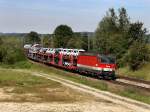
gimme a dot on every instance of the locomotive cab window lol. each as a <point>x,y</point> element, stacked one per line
<point>107,59</point>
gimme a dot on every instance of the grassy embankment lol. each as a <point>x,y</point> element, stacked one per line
<point>16,86</point>
<point>133,93</point>
<point>143,73</point>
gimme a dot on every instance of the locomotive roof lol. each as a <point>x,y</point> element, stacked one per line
<point>89,54</point>
<point>95,54</point>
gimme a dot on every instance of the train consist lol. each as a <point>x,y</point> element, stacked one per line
<point>76,60</point>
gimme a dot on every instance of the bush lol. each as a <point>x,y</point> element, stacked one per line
<point>11,51</point>
<point>13,55</point>
<point>138,54</point>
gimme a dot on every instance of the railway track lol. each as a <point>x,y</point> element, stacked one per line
<point>123,81</point>
<point>134,82</point>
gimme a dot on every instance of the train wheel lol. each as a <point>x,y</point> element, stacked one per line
<point>100,77</point>
<point>113,78</point>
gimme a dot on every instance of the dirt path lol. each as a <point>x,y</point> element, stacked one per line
<point>106,102</point>
<point>55,107</point>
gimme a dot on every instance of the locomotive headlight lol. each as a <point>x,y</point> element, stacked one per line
<point>107,69</point>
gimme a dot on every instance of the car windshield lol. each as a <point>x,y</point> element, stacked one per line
<point>107,59</point>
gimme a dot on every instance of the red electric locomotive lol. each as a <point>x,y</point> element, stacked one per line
<point>101,66</point>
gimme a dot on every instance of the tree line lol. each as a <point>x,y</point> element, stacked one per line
<point>115,35</point>
<point>63,37</point>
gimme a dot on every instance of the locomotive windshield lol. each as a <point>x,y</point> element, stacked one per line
<point>107,59</point>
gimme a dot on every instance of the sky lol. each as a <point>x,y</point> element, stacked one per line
<point>43,16</point>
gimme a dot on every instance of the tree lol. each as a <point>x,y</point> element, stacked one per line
<point>1,41</point>
<point>32,38</point>
<point>111,34</point>
<point>138,52</point>
<point>62,35</point>
<point>47,41</point>
<point>1,52</point>
<point>124,21</point>
<point>147,38</point>
<point>84,40</point>
<point>107,28</point>
<point>75,43</point>
<point>136,32</point>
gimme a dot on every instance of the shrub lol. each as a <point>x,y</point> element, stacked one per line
<point>13,55</point>
<point>11,51</point>
<point>138,54</point>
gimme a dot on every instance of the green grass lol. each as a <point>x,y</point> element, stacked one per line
<point>21,79</point>
<point>24,87</point>
<point>22,65</point>
<point>135,94</point>
<point>143,73</point>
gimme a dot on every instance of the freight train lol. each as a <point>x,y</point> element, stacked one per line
<point>77,60</point>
